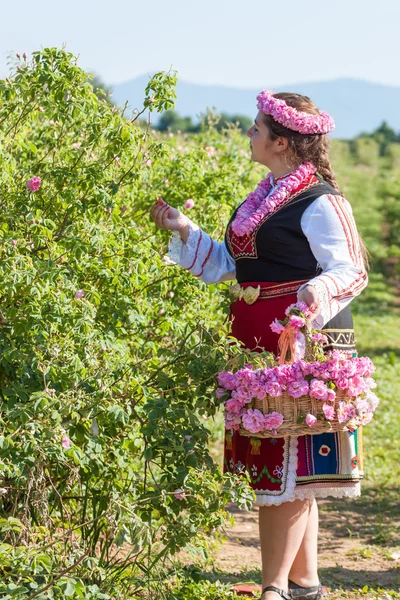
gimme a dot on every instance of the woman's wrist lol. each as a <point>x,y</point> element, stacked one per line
<point>184,232</point>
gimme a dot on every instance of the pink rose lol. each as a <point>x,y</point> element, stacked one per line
<point>296,322</point>
<point>345,412</point>
<point>189,203</point>
<point>342,383</point>
<point>320,338</point>
<point>322,371</point>
<point>367,418</point>
<point>304,308</point>
<point>349,368</point>
<point>273,388</point>
<point>310,420</point>
<point>318,389</point>
<point>273,421</point>
<point>362,406</point>
<point>65,442</point>
<point>373,400</point>
<point>148,163</point>
<point>227,380</point>
<point>329,411</point>
<point>76,145</point>
<point>365,366</point>
<point>234,406</point>
<point>356,386</point>
<point>289,309</point>
<point>79,294</point>
<point>13,243</point>
<point>369,383</point>
<point>258,388</point>
<point>242,394</point>
<point>277,327</point>
<point>179,494</point>
<point>253,420</point>
<point>33,184</point>
<point>232,421</point>
<point>298,388</point>
<point>330,395</point>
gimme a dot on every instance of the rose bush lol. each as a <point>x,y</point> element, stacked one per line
<point>108,353</point>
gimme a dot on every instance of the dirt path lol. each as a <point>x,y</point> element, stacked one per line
<point>359,545</point>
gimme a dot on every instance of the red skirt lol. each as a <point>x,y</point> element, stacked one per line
<point>284,469</point>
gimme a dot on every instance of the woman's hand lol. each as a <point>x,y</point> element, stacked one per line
<point>310,296</point>
<point>166,217</point>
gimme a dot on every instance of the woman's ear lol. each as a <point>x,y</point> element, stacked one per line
<point>281,144</point>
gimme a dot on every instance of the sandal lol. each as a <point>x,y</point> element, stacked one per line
<point>297,592</point>
<point>282,593</point>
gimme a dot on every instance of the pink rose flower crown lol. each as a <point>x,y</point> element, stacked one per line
<point>339,388</point>
<point>291,118</point>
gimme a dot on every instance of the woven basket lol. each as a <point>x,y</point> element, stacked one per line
<point>292,408</point>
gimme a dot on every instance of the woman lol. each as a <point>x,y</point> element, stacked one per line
<point>296,238</point>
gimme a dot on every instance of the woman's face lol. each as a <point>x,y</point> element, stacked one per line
<point>264,150</point>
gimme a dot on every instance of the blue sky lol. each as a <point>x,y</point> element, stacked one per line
<point>237,42</point>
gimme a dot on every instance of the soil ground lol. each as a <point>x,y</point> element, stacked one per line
<point>359,546</point>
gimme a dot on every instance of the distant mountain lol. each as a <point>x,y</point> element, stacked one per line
<point>356,105</point>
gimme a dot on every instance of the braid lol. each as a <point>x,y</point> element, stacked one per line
<point>323,164</point>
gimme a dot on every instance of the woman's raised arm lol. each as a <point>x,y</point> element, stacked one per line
<point>192,248</point>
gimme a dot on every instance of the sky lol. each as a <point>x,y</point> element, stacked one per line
<point>240,43</point>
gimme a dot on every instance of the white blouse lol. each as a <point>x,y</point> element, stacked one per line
<point>329,226</point>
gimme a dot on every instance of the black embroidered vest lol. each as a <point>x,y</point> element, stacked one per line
<point>277,250</point>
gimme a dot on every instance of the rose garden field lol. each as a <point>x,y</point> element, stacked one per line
<point>110,430</point>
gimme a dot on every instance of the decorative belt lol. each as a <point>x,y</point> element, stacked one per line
<point>250,294</point>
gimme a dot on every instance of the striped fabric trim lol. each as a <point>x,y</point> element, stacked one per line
<point>206,258</point>
<point>350,231</point>
<point>347,226</point>
<point>197,251</point>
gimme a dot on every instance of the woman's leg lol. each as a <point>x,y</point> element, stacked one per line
<point>282,530</point>
<point>304,570</point>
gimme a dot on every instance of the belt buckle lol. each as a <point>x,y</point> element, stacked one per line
<point>249,294</point>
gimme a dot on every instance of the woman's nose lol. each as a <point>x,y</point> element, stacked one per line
<point>249,132</point>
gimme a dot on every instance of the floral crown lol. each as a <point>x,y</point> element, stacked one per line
<point>292,118</point>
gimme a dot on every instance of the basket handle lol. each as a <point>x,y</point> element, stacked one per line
<point>286,344</point>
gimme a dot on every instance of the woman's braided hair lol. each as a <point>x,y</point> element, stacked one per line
<point>312,148</point>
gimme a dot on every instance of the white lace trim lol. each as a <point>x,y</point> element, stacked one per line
<point>270,498</point>
<point>310,494</point>
<point>174,247</point>
<point>345,492</point>
<point>182,252</point>
<point>324,304</point>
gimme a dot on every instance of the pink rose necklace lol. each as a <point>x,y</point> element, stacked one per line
<point>258,204</point>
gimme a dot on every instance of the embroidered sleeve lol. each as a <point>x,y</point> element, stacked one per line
<point>202,256</point>
<point>329,226</point>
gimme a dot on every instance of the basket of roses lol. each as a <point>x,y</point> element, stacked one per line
<point>305,391</point>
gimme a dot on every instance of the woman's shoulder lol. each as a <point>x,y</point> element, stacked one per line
<point>327,207</point>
